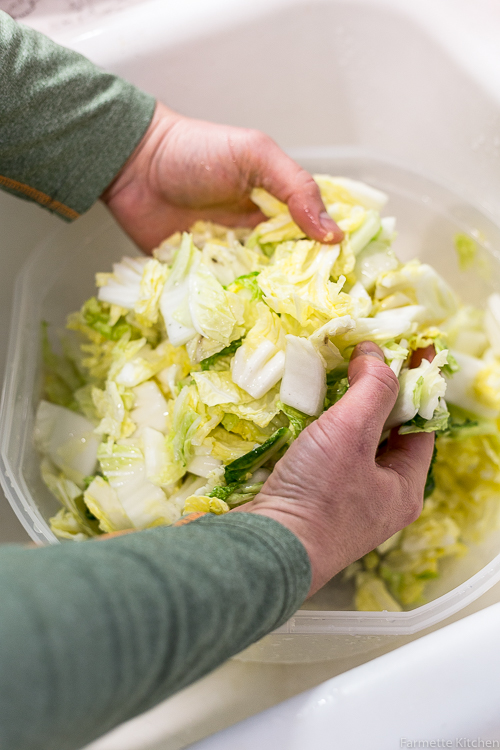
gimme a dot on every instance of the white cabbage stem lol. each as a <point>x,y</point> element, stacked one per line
<point>304,381</point>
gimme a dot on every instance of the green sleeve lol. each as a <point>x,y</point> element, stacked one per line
<point>66,127</point>
<point>93,633</point>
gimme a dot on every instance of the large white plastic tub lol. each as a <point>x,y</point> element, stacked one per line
<point>59,276</point>
<point>415,84</point>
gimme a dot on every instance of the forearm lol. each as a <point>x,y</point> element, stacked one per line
<point>92,634</point>
<point>66,128</point>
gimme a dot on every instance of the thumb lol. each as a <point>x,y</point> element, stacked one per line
<point>373,389</point>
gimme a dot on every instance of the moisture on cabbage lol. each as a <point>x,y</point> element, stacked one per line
<point>188,374</point>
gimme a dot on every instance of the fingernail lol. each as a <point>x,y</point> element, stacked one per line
<point>326,222</point>
<point>369,349</point>
<point>329,226</point>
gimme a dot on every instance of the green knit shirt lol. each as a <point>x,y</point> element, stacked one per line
<point>93,633</point>
<point>66,127</point>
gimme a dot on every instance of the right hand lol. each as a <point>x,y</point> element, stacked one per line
<point>332,490</point>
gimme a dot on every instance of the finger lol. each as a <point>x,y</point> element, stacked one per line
<point>373,389</point>
<point>419,354</point>
<point>410,457</point>
<point>283,178</point>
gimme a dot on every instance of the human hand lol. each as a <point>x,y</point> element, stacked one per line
<point>332,490</point>
<point>186,169</point>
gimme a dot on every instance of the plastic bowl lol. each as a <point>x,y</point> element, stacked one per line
<point>59,276</point>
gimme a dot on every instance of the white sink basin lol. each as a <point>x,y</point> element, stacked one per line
<point>417,82</point>
<point>418,695</point>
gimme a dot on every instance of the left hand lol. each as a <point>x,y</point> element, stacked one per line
<point>185,169</point>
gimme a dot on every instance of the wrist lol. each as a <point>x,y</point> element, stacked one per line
<point>137,179</point>
<point>323,567</point>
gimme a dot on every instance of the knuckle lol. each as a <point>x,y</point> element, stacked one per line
<point>304,187</point>
<point>342,436</point>
<point>411,501</point>
<point>399,504</point>
<point>306,182</point>
<point>259,140</point>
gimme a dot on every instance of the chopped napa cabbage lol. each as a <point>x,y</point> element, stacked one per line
<point>145,504</point>
<point>346,190</point>
<point>150,408</point>
<point>219,360</point>
<point>161,468</point>
<point>297,420</point>
<point>466,249</point>
<point>248,289</point>
<point>492,322</point>
<point>487,385</point>
<point>189,426</point>
<point>461,507</point>
<point>192,485</point>
<point>102,501</point>
<point>297,283</point>
<point>228,262</point>
<point>321,341</point>
<point>336,385</point>
<point>66,525</point>
<point>123,286</point>
<point>362,302</point>
<point>62,377</point>
<point>421,283</point>
<point>465,387</point>
<point>259,363</point>
<point>420,391</point>
<point>153,280</point>
<point>372,594</point>
<point>376,258</point>
<point>174,304</point>
<point>338,329</point>
<point>280,226</point>
<point>396,354</point>
<point>215,313</point>
<point>135,361</point>
<point>111,409</point>
<point>371,226</point>
<point>77,518</point>
<point>68,439</point>
<point>268,204</point>
<point>244,467</point>
<point>207,231</point>
<point>177,369</point>
<point>184,381</point>
<point>260,411</point>
<point>303,385</point>
<point>217,388</point>
<point>227,446</point>
<point>247,429</point>
<point>85,402</point>
<point>204,504</point>
<point>385,326</point>
<point>437,423</point>
<point>465,331</point>
<point>202,465</point>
